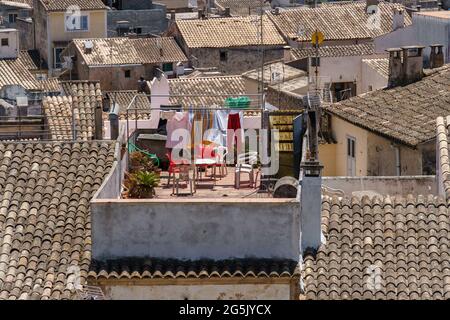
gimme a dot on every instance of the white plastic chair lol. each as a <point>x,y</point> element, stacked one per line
<point>221,153</point>
<point>245,162</point>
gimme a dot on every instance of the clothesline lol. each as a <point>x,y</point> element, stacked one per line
<point>178,108</point>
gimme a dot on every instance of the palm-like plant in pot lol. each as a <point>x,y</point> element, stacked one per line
<point>141,185</point>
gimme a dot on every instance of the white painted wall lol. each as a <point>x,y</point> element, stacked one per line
<point>200,292</point>
<point>401,37</point>
<point>11,51</point>
<point>345,69</point>
<point>432,30</point>
<point>370,77</point>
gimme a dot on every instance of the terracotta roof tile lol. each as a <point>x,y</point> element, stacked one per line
<point>380,249</point>
<point>79,103</point>
<point>44,215</point>
<point>380,65</point>
<point>141,268</point>
<point>228,32</point>
<point>222,85</point>
<point>125,97</point>
<point>442,137</point>
<point>62,5</point>
<point>242,7</point>
<point>337,21</point>
<point>406,114</point>
<point>334,51</point>
<point>107,51</point>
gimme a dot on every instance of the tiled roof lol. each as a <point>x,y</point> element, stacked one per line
<point>443,141</point>
<point>334,51</point>
<point>390,248</point>
<point>45,227</point>
<point>62,5</point>
<point>30,59</point>
<point>242,7</point>
<point>79,103</point>
<point>115,51</point>
<point>15,72</point>
<point>222,86</point>
<point>380,65</point>
<point>275,73</point>
<point>406,114</point>
<point>141,268</point>
<point>228,32</point>
<point>26,4</point>
<point>124,98</point>
<point>336,21</point>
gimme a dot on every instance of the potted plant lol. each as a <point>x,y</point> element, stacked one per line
<point>141,162</point>
<point>141,185</point>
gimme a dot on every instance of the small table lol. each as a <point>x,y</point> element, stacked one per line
<point>205,162</point>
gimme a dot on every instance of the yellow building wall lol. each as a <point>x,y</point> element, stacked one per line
<point>341,130</point>
<point>327,157</point>
<point>97,26</point>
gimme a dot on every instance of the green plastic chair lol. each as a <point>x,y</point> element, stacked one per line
<point>133,148</point>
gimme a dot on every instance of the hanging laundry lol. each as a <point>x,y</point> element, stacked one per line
<point>235,131</point>
<point>220,124</point>
<point>179,121</point>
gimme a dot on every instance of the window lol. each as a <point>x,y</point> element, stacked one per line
<point>57,57</point>
<point>127,73</point>
<point>137,30</point>
<point>351,156</point>
<point>5,42</point>
<point>167,67</point>
<point>12,17</point>
<point>223,56</point>
<point>77,23</point>
<point>370,88</point>
<point>315,61</point>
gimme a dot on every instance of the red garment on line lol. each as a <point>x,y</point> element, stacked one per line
<point>234,121</point>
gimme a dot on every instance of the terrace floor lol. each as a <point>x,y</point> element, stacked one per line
<point>206,187</point>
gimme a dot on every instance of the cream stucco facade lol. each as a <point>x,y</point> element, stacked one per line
<point>201,289</point>
<point>52,34</point>
<point>374,154</point>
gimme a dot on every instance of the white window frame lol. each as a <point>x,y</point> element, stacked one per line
<point>78,30</point>
<point>350,151</point>
<point>12,14</point>
<point>54,57</point>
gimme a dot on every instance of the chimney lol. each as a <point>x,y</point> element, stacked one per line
<point>395,67</point>
<point>200,14</point>
<point>418,7</point>
<point>405,65</point>
<point>436,56</point>
<point>227,12</point>
<point>172,15</point>
<point>398,19</point>
<point>287,54</point>
<point>276,11</point>
<point>439,5</point>
<point>412,70</point>
<point>310,188</point>
<point>114,121</point>
<point>369,4</point>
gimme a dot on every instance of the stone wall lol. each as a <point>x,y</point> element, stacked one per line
<point>150,21</point>
<point>26,34</point>
<point>40,23</point>
<point>238,60</point>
